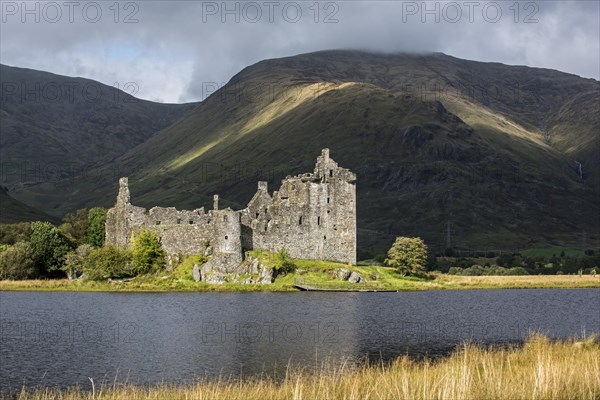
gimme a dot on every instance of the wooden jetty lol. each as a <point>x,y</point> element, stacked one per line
<point>307,288</point>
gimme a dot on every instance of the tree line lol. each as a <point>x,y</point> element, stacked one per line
<point>410,256</point>
<point>74,249</point>
<point>518,264</point>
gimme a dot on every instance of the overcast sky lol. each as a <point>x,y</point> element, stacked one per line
<point>170,48</point>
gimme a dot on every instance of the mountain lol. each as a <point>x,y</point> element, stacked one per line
<point>462,153</point>
<point>56,126</point>
<point>12,211</point>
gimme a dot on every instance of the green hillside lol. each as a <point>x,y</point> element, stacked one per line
<point>12,211</point>
<point>55,126</point>
<point>486,149</point>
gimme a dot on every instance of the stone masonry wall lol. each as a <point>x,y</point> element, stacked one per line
<point>311,216</point>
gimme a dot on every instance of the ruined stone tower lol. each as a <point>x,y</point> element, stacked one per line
<point>311,216</point>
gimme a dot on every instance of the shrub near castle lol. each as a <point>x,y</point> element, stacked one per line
<point>107,262</point>
<point>147,254</point>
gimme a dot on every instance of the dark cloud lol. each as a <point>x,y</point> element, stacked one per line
<point>173,49</point>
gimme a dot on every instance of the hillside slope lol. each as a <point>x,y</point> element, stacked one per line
<point>459,152</point>
<point>12,211</point>
<point>55,126</point>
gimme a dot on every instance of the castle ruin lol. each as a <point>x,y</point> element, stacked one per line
<point>311,216</point>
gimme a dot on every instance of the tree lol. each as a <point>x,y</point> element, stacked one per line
<point>75,224</point>
<point>431,261</point>
<point>18,262</point>
<point>75,260</point>
<point>449,252</point>
<point>569,265</point>
<point>13,233</point>
<point>473,270</point>
<point>408,256</point>
<point>107,262</point>
<point>50,246</point>
<point>148,255</point>
<point>96,220</point>
<point>455,271</point>
<point>505,260</point>
<point>4,247</point>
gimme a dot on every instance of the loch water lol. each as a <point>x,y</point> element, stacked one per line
<point>65,338</point>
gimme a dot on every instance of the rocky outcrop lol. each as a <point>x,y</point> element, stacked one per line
<point>344,274</point>
<point>261,273</point>
<point>220,269</point>
<point>196,273</point>
<point>212,276</point>
<point>355,277</point>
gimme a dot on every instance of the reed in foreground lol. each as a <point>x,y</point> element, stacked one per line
<point>540,369</point>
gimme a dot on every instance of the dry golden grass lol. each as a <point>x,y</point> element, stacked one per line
<point>541,369</point>
<point>522,281</point>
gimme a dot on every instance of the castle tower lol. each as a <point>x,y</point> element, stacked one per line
<point>334,209</point>
<point>227,239</point>
<point>311,215</point>
<point>123,197</point>
<point>118,225</point>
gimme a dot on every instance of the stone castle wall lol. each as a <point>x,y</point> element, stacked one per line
<point>312,216</point>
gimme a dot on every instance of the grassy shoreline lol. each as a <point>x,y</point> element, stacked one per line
<point>285,284</point>
<point>540,369</point>
<point>317,273</point>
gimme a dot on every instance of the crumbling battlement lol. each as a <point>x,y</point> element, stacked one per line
<point>311,216</point>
